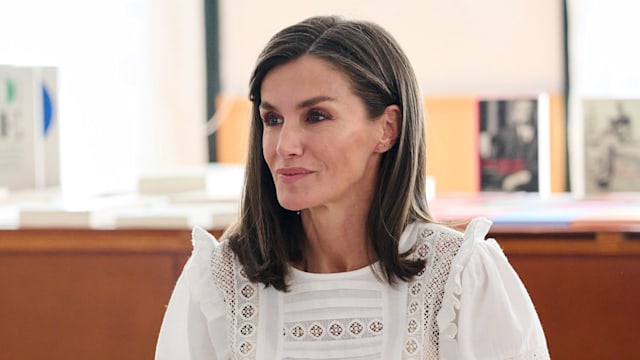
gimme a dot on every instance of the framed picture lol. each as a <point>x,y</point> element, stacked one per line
<point>611,151</point>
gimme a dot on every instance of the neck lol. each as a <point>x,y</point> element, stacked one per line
<point>336,240</point>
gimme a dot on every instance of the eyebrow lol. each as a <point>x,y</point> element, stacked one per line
<point>304,104</point>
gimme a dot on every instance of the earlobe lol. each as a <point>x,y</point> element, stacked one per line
<point>390,127</point>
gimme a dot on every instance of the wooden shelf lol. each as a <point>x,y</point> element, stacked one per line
<point>101,294</point>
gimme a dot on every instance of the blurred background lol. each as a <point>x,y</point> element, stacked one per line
<point>151,86</point>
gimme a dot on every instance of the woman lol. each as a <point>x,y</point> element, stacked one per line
<point>335,254</point>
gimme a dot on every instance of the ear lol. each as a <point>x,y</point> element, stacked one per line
<point>390,123</point>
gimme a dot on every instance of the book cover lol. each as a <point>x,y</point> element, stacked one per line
<point>50,126</point>
<point>79,213</point>
<point>452,140</point>
<point>223,181</point>
<point>558,143</point>
<point>514,145</point>
<point>611,146</point>
<point>233,120</point>
<point>184,216</point>
<point>21,145</point>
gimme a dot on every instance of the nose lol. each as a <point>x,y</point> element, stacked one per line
<point>290,142</point>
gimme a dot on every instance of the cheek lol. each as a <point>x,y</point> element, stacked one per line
<point>268,148</point>
<point>348,153</point>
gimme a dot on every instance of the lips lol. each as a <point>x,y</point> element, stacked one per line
<point>291,175</point>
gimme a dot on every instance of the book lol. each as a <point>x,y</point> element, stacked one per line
<point>608,151</point>
<point>233,119</point>
<point>81,213</point>
<point>50,126</point>
<point>452,138</point>
<point>218,180</point>
<point>558,143</point>
<point>514,144</point>
<point>21,145</point>
<point>208,216</point>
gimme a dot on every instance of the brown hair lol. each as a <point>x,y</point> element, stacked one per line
<point>267,237</point>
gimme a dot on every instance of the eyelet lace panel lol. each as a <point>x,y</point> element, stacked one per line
<point>426,290</point>
<point>337,329</point>
<point>241,305</point>
<point>333,316</point>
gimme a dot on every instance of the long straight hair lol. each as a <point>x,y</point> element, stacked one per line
<point>267,237</point>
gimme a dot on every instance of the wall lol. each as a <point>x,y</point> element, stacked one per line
<point>132,71</point>
<point>131,77</point>
<point>458,46</point>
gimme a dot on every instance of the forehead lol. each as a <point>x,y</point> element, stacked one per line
<point>307,73</point>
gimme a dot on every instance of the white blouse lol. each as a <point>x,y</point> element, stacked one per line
<point>468,303</point>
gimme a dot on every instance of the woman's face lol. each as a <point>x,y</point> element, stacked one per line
<point>320,145</point>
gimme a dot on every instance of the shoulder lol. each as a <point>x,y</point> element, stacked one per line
<point>424,239</point>
<point>486,311</point>
<point>202,240</point>
<point>215,259</point>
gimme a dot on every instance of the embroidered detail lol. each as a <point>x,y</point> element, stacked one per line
<point>241,302</point>
<point>248,291</point>
<point>426,233</point>
<point>375,326</point>
<point>424,298</point>
<point>415,289</point>
<point>316,330</point>
<point>423,251</point>
<point>413,307</point>
<point>246,329</point>
<point>355,328</point>
<point>248,311</point>
<point>411,346</point>
<point>297,332</point>
<point>246,347</point>
<point>335,329</point>
<point>412,326</point>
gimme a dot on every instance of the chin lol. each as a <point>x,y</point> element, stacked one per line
<point>291,206</point>
<point>292,203</point>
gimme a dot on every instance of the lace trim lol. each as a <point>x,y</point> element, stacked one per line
<point>342,329</point>
<point>241,306</point>
<point>425,293</point>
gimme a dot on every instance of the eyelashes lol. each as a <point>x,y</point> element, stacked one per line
<point>271,118</point>
<point>317,115</point>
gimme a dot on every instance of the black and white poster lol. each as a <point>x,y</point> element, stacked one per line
<point>611,145</point>
<point>509,144</point>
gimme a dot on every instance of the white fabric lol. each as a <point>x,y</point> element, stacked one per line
<point>468,303</point>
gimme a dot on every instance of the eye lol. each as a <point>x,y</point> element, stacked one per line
<point>317,116</point>
<point>271,119</point>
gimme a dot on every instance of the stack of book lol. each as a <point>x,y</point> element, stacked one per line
<point>29,127</point>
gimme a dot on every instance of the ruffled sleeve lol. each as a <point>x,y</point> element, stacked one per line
<point>486,311</point>
<point>194,322</point>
